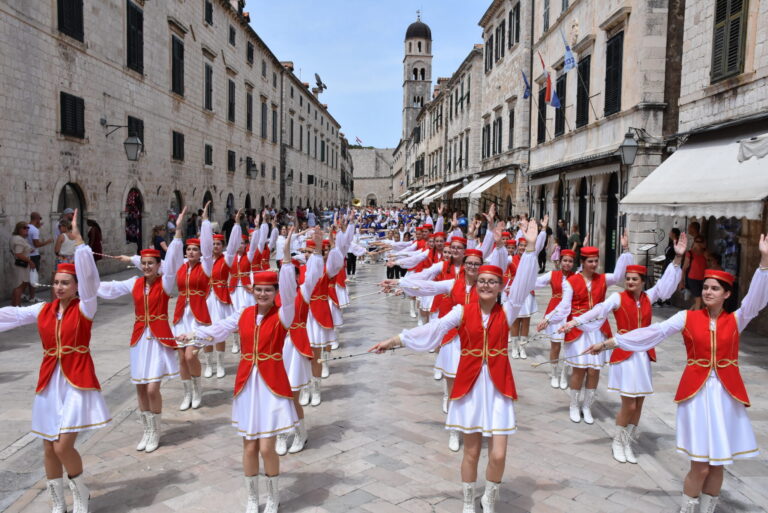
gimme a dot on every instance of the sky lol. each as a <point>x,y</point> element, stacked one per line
<point>356,46</point>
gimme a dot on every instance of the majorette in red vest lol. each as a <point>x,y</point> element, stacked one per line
<point>629,316</point>
<point>151,310</point>
<point>584,299</point>
<point>193,288</point>
<point>220,276</point>
<point>242,270</point>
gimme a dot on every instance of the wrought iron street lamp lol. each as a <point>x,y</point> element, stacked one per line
<point>628,149</point>
<point>132,147</point>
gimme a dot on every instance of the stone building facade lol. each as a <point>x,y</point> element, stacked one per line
<point>205,94</point>
<point>373,176</point>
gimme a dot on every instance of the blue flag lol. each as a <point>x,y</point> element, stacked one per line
<point>569,62</point>
<point>527,92</point>
<point>555,102</point>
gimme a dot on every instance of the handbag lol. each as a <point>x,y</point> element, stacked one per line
<point>21,263</point>
<point>556,254</point>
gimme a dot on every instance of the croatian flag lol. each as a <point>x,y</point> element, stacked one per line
<point>569,62</point>
<point>527,92</point>
<point>548,93</point>
<point>358,141</point>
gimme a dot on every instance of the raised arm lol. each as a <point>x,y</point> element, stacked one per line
<point>235,237</point>
<point>667,284</point>
<point>287,280</point>
<point>757,297</point>
<point>623,261</point>
<point>116,289</point>
<point>16,316</point>
<point>206,246</point>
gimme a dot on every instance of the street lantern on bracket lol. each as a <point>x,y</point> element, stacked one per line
<point>628,149</point>
<point>132,145</point>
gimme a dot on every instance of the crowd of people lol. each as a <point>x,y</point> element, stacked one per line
<point>470,285</point>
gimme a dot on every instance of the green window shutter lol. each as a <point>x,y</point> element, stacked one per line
<point>728,38</point>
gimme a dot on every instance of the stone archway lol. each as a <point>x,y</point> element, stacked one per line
<point>134,214</point>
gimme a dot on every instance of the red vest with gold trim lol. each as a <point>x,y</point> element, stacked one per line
<point>510,272</point>
<point>266,253</point>
<point>711,350</point>
<point>459,296</point>
<point>478,345</point>
<point>219,279</point>
<point>584,299</point>
<point>341,277</point>
<point>299,335</point>
<point>151,312</point>
<point>629,317</point>
<point>263,345</point>
<point>193,286</point>
<point>242,274</point>
<point>447,273</point>
<point>556,282</point>
<point>318,303</point>
<point>67,342</point>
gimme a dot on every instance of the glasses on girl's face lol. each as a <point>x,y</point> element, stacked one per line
<point>472,264</point>
<point>489,283</point>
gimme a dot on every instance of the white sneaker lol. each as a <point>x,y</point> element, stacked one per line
<point>454,441</point>
<point>281,445</point>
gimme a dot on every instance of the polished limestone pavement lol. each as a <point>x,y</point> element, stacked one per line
<point>377,442</point>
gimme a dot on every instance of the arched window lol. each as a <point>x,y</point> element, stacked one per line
<point>134,207</point>
<point>176,202</point>
<point>72,197</point>
<point>418,45</point>
<point>415,73</point>
<point>230,205</point>
<point>248,202</point>
<point>423,74</point>
<point>262,203</point>
<point>206,198</point>
<point>410,47</point>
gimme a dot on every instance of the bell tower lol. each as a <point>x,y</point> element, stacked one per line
<point>417,72</point>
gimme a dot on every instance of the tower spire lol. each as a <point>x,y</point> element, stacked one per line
<point>418,14</point>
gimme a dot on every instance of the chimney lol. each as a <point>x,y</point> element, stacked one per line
<point>315,91</point>
<point>287,65</point>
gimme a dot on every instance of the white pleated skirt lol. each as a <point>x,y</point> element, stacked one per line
<point>632,377</point>
<point>483,410</point>
<point>216,309</point>
<point>573,350</point>
<point>187,324</point>
<point>713,427</point>
<point>61,408</point>
<point>151,361</point>
<point>551,332</point>
<point>258,413</point>
<point>319,336</point>
<point>338,320</point>
<point>447,360</point>
<point>241,298</point>
<point>343,294</point>
<point>297,366</point>
<point>529,307</point>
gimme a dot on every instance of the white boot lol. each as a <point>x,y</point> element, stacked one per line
<point>420,322</point>
<point>304,394</point>
<point>446,397</point>
<point>325,371</point>
<point>515,348</point>
<point>554,380</point>
<point>334,345</point>
<point>586,407</point>
<point>689,504</point>
<point>252,486</point>
<point>454,440</point>
<point>469,497</point>
<point>236,343</point>
<point>145,423</point>
<point>205,359</point>
<point>220,373</point>
<point>617,446</point>
<point>627,442</point>
<point>315,392</point>
<point>154,431</point>
<point>56,492</point>
<point>187,401</point>
<point>564,377</point>
<point>489,498</point>
<point>197,392</point>
<point>281,445</point>
<point>300,440</point>
<point>521,341</point>
<point>273,495</point>
<point>80,494</point>
<point>412,305</point>
<point>574,410</point>
<point>708,503</point>
<point>438,374</point>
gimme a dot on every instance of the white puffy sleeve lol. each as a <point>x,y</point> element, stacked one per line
<point>313,273</point>
<point>16,316</point>
<point>287,281</point>
<point>522,285</point>
<point>643,339</point>
<point>233,244</point>
<point>755,300</point>
<point>116,289</point>
<point>544,280</point>
<point>440,224</point>
<point>430,273</point>
<point>88,280</point>
<point>174,259</point>
<point>621,268</point>
<point>206,247</point>
<point>487,246</point>
<point>563,309</point>
<point>410,262</point>
<point>430,335</point>
<point>425,288</point>
<point>594,319</point>
<point>667,284</point>
<point>219,330</point>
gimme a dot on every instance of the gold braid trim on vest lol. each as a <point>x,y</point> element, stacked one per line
<point>261,357</point>
<point>704,362</point>
<point>319,298</point>
<point>58,352</point>
<point>151,318</point>
<point>298,325</point>
<point>480,353</point>
<point>192,293</point>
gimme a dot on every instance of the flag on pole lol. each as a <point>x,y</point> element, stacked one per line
<point>527,92</point>
<point>569,62</point>
<point>548,93</point>
<point>358,141</point>
<point>555,102</point>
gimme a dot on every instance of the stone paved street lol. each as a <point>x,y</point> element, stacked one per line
<point>377,443</point>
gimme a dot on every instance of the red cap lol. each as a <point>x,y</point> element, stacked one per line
<point>326,243</point>
<point>218,236</point>
<point>193,242</point>
<point>567,252</point>
<point>506,234</point>
<point>438,234</point>
<point>521,240</point>
<point>446,244</point>
<point>639,269</point>
<point>715,274</point>
<point>66,269</point>
<point>473,253</point>
<point>491,269</point>
<point>310,244</point>
<point>511,242</point>
<point>590,251</point>
<point>245,238</point>
<point>265,278</point>
<point>150,253</point>
<point>426,227</point>
<point>460,240</point>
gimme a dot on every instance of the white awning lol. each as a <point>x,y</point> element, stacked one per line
<point>487,185</point>
<point>533,182</point>
<point>470,187</point>
<point>703,178</point>
<point>439,194</point>
<point>403,195</point>
<point>412,195</point>
<point>418,197</point>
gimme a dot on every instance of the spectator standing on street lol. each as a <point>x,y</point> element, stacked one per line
<point>226,228</point>
<point>94,238</point>
<point>192,226</point>
<point>562,235</point>
<point>22,264</point>
<point>543,254</point>
<point>158,240</point>
<point>311,220</point>
<point>693,270</point>
<point>33,238</point>
<point>575,242</point>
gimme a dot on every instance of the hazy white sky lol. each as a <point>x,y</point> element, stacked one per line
<point>357,49</point>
